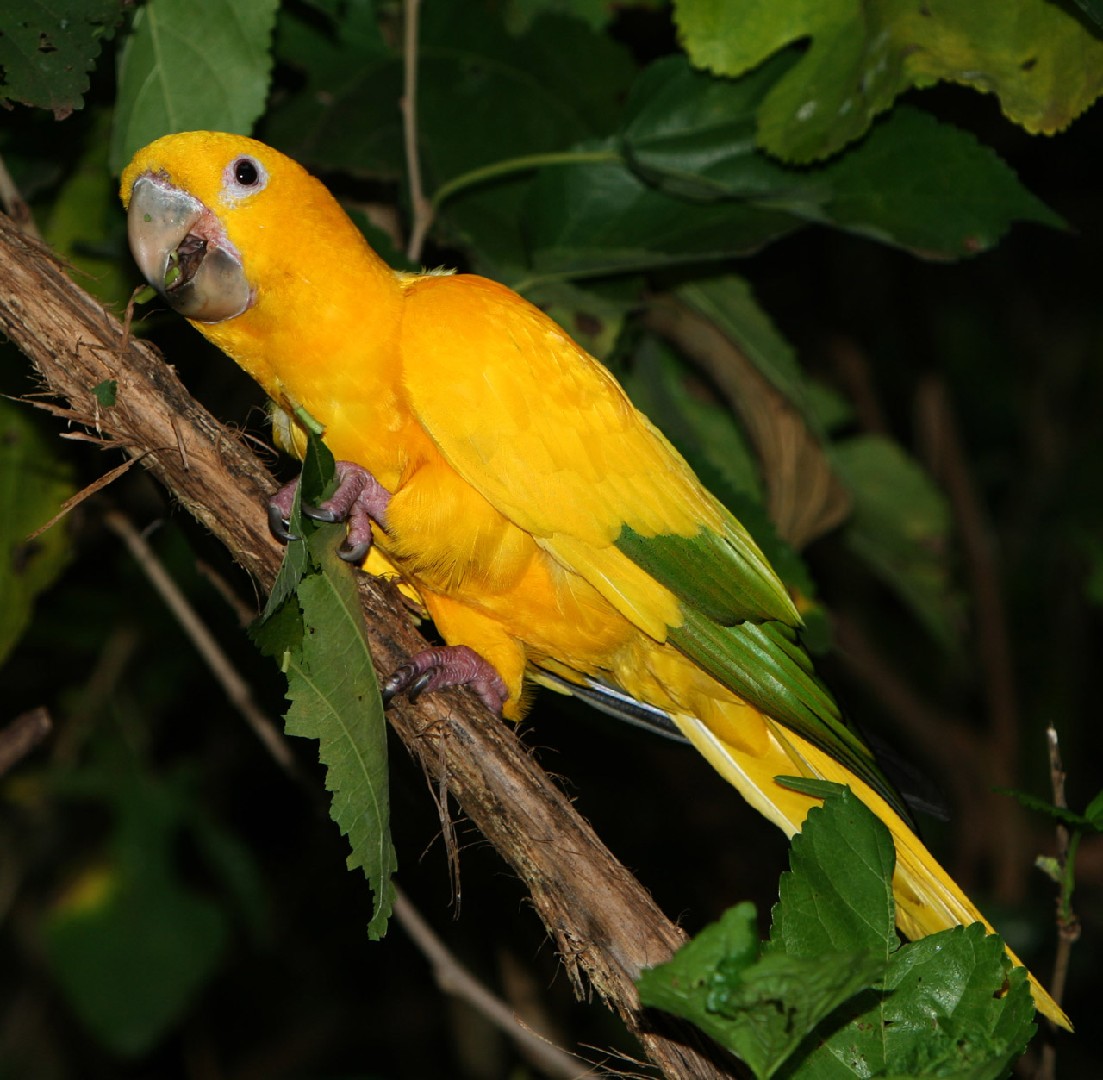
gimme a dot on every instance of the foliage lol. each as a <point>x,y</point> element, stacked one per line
<point>832,993</point>
<point>313,626</point>
<point>782,225</point>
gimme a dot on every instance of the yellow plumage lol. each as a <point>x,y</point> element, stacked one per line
<point>535,511</point>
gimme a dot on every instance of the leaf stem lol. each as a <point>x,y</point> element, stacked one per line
<point>522,164</point>
<point>421,207</point>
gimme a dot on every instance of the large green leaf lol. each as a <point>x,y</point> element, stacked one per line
<point>599,217</point>
<point>48,49</point>
<point>912,181</point>
<point>191,65</point>
<point>1042,61</point>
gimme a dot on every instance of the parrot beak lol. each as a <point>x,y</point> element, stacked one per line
<point>183,252</point>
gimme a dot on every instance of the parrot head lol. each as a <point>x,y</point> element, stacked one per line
<point>214,217</point>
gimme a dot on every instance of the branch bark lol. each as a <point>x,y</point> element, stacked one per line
<point>605,926</point>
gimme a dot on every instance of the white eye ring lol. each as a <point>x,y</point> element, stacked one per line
<point>244,176</point>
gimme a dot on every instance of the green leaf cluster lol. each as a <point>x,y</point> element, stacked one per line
<point>833,993</point>
<point>314,627</point>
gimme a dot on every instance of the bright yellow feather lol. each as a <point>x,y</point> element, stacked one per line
<point>516,463</point>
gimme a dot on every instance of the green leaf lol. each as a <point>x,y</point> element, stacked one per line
<point>1043,63</point>
<point>924,186</point>
<point>106,392</point>
<point>313,626</point>
<point>346,116</point>
<point>334,699</point>
<point>34,482</point>
<point>912,182</point>
<point>598,217</point>
<point>900,527</point>
<point>761,1009</point>
<point>1091,820</point>
<point>48,49</point>
<point>316,480</point>
<point>837,894</point>
<point>953,1006</point>
<point>834,995</point>
<point>191,65</point>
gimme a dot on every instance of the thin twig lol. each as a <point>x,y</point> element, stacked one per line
<point>1068,925</point>
<point>21,735</point>
<point>453,978</point>
<point>237,689</point>
<point>420,206</point>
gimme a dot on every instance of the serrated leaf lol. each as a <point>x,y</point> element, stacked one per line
<point>900,528</point>
<point>335,699</point>
<point>837,894</point>
<point>759,1008</point>
<point>191,65</point>
<point>315,483</point>
<point>953,1006</point>
<point>1043,63</point>
<point>48,50</point>
<point>950,1005</point>
<point>1091,819</point>
<point>34,482</point>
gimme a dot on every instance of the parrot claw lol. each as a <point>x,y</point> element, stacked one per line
<point>278,524</point>
<point>359,499</point>
<point>448,665</point>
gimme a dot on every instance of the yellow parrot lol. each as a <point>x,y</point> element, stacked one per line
<point>551,531</point>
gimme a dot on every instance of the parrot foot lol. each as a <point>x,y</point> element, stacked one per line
<point>448,665</point>
<point>359,499</point>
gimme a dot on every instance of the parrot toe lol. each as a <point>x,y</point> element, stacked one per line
<point>448,665</point>
<point>358,500</point>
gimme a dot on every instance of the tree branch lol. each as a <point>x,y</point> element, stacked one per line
<point>604,925</point>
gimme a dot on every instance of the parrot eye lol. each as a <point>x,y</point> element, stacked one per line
<point>246,175</point>
<point>246,172</point>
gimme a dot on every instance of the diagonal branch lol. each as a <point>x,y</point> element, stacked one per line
<point>605,926</point>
